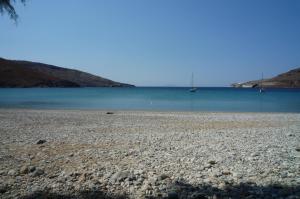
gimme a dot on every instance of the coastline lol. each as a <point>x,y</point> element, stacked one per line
<point>139,154</point>
<point>104,110</point>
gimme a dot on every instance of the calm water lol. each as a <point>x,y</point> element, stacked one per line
<point>142,98</point>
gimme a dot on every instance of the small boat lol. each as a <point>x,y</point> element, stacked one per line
<point>247,86</point>
<point>261,89</point>
<point>193,89</point>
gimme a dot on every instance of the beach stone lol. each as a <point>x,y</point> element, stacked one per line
<point>138,172</point>
<point>38,172</point>
<point>297,149</point>
<point>71,154</point>
<point>212,162</point>
<point>107,175</point>
<point>222,186</point>
<point>24,169</point>
<point>162,177</point>
<point>41,142</point>
<point>3,188</point>
<point>119,176</point>
<point>12,172</point>
<point>31,168</point>
<point>254,154</point>
<point>18,178</point>
<point>236,175</point>
<point>137,183</point>
<point>173,195</point>
<point>226,172</point>
<point>198,195</point>
<point>207,166</point>
<point>82,178</point>
<point>146,185</point>
<point>35,188</point>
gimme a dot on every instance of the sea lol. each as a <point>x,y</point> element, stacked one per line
<point>206,99</point>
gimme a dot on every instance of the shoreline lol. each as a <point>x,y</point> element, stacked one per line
<point>144,154</point>
<point>143,110</point>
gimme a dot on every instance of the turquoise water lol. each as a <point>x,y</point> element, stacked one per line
<point>156,98</point>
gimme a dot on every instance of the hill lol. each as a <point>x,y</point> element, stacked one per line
<point>32,74</point>
<point>290,79</point>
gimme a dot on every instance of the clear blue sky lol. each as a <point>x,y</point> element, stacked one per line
<point>158,42</point>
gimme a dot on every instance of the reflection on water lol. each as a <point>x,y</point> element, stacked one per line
<point>191,97</point>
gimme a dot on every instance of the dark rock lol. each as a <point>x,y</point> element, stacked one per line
<point>31,168</point>
<point>3,188</point>
<point>109,113</point>
<point>212,162</point>
<point>41,142</point>
<point>173,195</point>
<point>198,196</point>
<point>71,154</point>
<point>38,172</point>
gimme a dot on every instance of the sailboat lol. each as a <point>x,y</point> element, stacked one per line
<point>261,89</point>
<point>193,89</point>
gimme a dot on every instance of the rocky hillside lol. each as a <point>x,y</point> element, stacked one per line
<point>31,74</point>
<point>290,79</point>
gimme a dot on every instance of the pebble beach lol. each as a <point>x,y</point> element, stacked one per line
<point>145,154</point>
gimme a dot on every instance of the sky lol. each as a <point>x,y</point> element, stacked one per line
<point>158,42</point>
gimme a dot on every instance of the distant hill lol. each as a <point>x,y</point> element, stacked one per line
<point>290,79</point>
<point>31,74</point>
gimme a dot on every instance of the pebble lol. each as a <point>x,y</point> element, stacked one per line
<point>41,142</point>
<point>119,176</point>
<point>169,155</point>
<point>236,175</point>
<point>3,188</point>
<point>173,195</point>
<point>226,172</point>
<point>198,195</point>
<point>38,172</point>
<point>212,162</point>
<point>31,168</point>
<point>12,172</point>
<point>162,177</point>
<point>24,169</point>
<point>222,186</point>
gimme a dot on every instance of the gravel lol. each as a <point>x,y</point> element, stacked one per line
<point>92,154</point>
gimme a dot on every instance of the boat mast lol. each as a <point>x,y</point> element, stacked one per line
<point>261,82</point>
<point>192,80</point>
<point>192,89</point>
